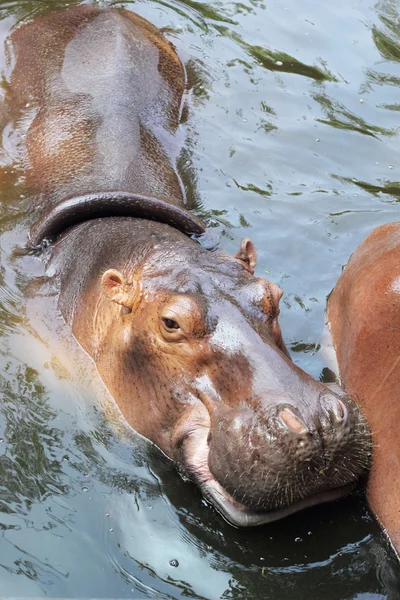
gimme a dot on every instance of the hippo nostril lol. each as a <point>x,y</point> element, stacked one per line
<point>292,422</point>
<point>209,438</point>
<point>338,412</point>
<point>341,409</point>
<point>335,410</point>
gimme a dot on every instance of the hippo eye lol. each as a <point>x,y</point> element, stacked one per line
<point>170,324</point>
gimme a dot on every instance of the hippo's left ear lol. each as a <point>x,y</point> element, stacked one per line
<point>247,254</point>
<point>116,288</point>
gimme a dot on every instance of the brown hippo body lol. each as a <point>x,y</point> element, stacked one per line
<point>187,341</point>
<point>101,93</point>
<point>364,315</point>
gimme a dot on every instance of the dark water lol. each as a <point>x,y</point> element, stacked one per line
<point>293,140</point>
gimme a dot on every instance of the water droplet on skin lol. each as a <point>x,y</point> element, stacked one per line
<point>317,139</point>
<point>111,530</point>
<point>310,533</point>
<point>85,489</point>
<point>1,440</point>
<point>361,101</point>
<point>298,539</point>
<point>174,563</point>
<point>354,180</point>
<point>391,167</point>
<point>279,63</point>
<point>107,514</point>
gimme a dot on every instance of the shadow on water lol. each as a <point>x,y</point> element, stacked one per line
<point>319,548</point>
<point>26,10</point>
<point>281,149</point>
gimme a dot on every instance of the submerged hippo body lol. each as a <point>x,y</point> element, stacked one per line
<point>364,315</point>
<point>187,341</point>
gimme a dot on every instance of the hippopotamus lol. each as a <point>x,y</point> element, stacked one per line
<point>186,340</point>
<point>364,317</point>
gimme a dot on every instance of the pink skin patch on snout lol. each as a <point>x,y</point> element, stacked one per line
<point>292,422</point>
<point>342,409</point>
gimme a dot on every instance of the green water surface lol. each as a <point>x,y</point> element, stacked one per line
<point>293,141</point>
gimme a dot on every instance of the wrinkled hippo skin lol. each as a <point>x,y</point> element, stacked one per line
<point>187,341</point>
<point>364,316</point>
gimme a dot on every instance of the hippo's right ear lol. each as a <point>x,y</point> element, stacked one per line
<point>116,288</point>
<point>247,254</point>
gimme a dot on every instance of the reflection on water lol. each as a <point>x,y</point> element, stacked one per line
<point>338,116</point>
<point>30,463</point>
<point>279,61</point>
<point>292,140</point>
<point>391,188</point>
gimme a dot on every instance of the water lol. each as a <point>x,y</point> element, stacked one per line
<point>293,140</point>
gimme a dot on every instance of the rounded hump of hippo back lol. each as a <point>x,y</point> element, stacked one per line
<point>100,93</point>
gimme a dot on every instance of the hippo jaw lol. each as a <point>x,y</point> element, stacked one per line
<point>233,511</point>
<point>317,483</point>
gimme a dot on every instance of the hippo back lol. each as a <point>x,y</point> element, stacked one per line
<point>97,121</point>
<point>364,314</point>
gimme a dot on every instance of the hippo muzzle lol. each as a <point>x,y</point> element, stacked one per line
<point>265,440</point>
<point>256,467</point>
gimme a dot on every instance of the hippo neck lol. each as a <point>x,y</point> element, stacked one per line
<point>73,211</point>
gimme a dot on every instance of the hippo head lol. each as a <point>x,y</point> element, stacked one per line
<point>193,355</point>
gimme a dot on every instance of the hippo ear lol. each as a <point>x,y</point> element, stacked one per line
<point>116,289</point>
<point>247,254</point>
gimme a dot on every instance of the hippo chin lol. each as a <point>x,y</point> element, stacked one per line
<point>187,341</point>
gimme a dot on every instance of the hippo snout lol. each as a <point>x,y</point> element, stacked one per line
<point>268,460</point>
